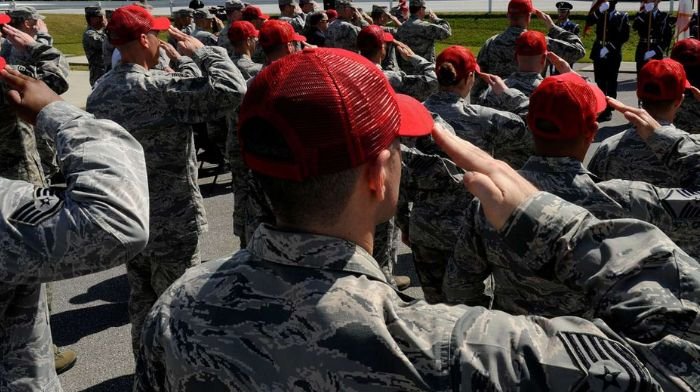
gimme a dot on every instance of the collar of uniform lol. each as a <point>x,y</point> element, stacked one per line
<point>554,165</point>
<point>526,75</point>
<point>130,67</point>
<point>514,31</point>
<point>312,251</point>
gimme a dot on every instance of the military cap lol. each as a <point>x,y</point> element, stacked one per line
<point>24,13</point>
<point>461,59</point>
<point>183,12</point>
<point>286,2</point>
<point>94,11</point>
<point>520,7</point>
<point>203,13</point>
<point>372,38</point>
<point>376,9</point>
<point>564,5</point>
<point>130,21</point>
<point>416,3</point>
<point>233,5</point>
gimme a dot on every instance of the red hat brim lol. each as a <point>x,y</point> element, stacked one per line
<point>5,19</point>
<point>3,63</point>
<point>160,24</point>
<point>388,37</point>
<point>415,118</point>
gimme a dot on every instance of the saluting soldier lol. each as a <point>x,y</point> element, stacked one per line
<point>93,39</point>
<point>420,34</point>
<point>655,31</point>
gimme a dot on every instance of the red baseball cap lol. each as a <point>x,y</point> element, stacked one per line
<point>252,12</point>
<point>333,109</point>
<point>687,52</point>
<point>461,58</point>
<point>129,22</point>
<point>241,30</point>
<point>531,43</point>
<point>661,80</point>
<point>520,7</point>
<point>372,38</point>
<point>332,14</point>
<point>564,107</point>
<point>5,18</point>
<point>276,32</point>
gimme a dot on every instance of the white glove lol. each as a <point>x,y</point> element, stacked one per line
<point>604,52</point>
<point>649,54</point>
<point>649,6</point>
<point>604,7</point>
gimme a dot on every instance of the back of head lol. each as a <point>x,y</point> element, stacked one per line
<point>519,10</point>
<point>240,31</point>
<point>454,64</point>
<point>530,49</point>
<point>371,39</point>
<point>129,22</point>
<point>687,52</point>
<point>415,6</point>
<point>660,83</point>
<point>564,108</point>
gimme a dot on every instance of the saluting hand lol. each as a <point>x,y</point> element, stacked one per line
<point>27,96</point>
<point>170,50</point>
<point>19,39</point>
<point>559,63</point>
<point>548,22</point>
<point>186,44</point>
<point>643,122</point>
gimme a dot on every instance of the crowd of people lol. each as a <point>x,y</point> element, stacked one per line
<point>347,133</point>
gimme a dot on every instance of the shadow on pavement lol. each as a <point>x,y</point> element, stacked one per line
<point>115,289</point>
<point>70,326</point>
<point>627,85</point>
<point>606,132</point>
<point>215,189</point>
<point>117,384</point>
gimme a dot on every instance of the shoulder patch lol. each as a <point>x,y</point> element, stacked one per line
<point>45,203</point>
<point>683,204</point>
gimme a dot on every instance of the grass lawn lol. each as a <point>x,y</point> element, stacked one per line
<point>470,30</point>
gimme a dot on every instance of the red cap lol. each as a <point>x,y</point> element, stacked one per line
<point>372,38</point>
<point>531,43</point>
<point>334,110</point>
<point>252,12</point>
<point>461,58</point>
<point>661,80</point>
<point>3,63</point>
<point>520,7</point>
<point>241,30</point>
<point>276,32</point>
<point>5,18</point>
<point>332,14</point>
<point>687,52</point>
<point>129,22</point>
<point>565,106</point>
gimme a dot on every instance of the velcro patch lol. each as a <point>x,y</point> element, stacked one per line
<point>46,203</point>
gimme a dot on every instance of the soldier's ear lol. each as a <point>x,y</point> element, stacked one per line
<point>376,174</point>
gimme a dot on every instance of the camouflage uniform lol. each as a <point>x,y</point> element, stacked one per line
<point>92,44</point>
<point>156,108</point>
<point>99,221</point>
<point>107,51</point>
<point>628,157</point>
<point>343,34</point>
<point>390,62</point>
<point>420,35</point>
<point>298,21</point>
<point>297,311</point>
<point>246,65</point>
<point>223,40</point>
<point>420,85</point>
<point>525,82</point>
<point>497,56</point>
<point>205,37</point>
<point>688,115</point>
<point>502,134</point>
<point>386,248</point>
<point>19,158</point>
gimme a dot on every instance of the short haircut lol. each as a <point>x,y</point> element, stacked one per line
<point>372,52</point>
<point>316,200</point>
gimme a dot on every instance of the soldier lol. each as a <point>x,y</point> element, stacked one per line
<point>497,54</point>
<point>342,32</point>
<point>291,13</point>
<point>244,38</point>
<point>373,41</point>
<point>93,39</point>
<point>308,7</point>
<point>612,30</point>
<point>255,16</point>
<point>304,299</point>
<point>655,31</point>
<point>156,107</point>
<point>234,12</point>
<point>420,34</point>
<point>183,20</point>
<point>204,22</point>
<point>381,17</point>
<point>687,52</point>
<point>562,120</point>
<point>98,221</point>
<point>107,48</point>
<point>661,85</point>
<point>564,10</point>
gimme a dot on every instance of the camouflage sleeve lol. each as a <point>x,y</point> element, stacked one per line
<point>213,95</point>
<point>224,42</point>
<point>44,38</point>
<point>508,138</point>
<point>92,43</point>
<point>186,67</point>
<point>679,151</point>
<point>439,29</point>
<point>512,100</point>
<point>419,85</point>
<point>100,220</point>
<point>50,66</point>
<point>633,276</point>
<point>483,59</point>
<point>565,44</point>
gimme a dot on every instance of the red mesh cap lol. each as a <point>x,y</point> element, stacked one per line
<point>372,38</point>
<point>5,19</point>
<point>276,32</point>
<point>252,12</point>
<point>687,52</point>
<point>334,110</point>
<point>565,106</point>
<point>461,58</point>
<point>241,30</point>
<point>520,7</point>
<point>661,80</point>
<point>129,22</point>
<point>531,43</point>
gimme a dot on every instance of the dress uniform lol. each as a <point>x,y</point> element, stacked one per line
<point>655,31</point>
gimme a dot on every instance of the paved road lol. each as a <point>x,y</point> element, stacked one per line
<point>163,7</point>
<point>90,313</point>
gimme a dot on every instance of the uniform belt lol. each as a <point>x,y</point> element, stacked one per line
<point>649,41</point>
